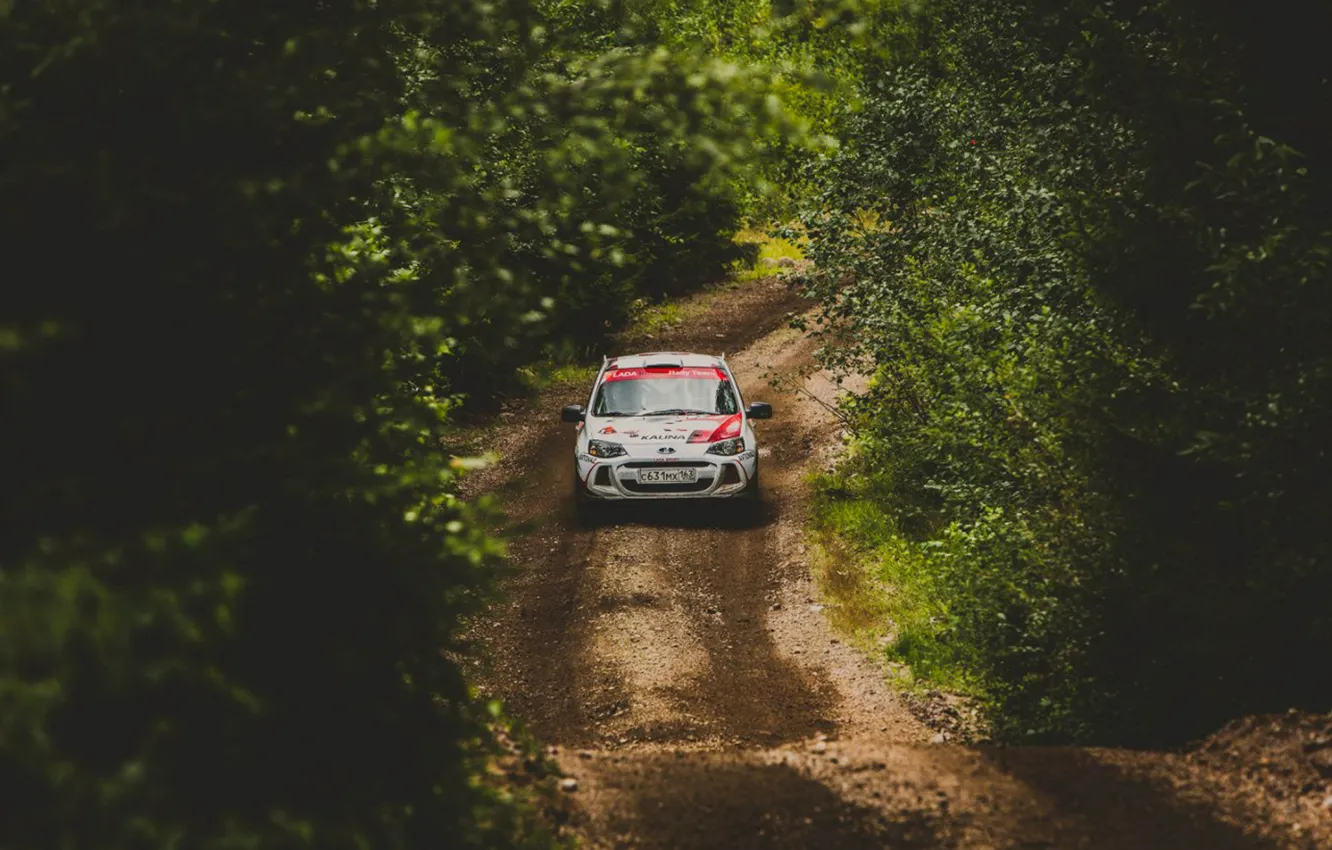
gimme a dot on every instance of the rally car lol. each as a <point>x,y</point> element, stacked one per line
<point>665,425</point>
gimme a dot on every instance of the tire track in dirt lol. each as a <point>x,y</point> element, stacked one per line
<point>676,660</point>
<point>700,662</point>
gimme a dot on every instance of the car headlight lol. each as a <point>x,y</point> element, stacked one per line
<point>733,446</point>
<point>604,448</point>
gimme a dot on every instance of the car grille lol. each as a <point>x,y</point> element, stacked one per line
<point>654,464</point>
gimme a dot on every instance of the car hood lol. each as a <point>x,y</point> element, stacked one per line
<point>652,430</point>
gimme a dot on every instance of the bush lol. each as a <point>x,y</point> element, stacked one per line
<point>1090,281</point>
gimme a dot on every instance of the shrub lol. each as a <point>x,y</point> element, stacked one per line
<point>1090,279</point>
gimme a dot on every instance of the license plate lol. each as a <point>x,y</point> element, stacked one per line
<point>667,476</point>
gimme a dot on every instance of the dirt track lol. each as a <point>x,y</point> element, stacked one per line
<point>678,661</point>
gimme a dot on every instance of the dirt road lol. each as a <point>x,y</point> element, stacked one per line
<point>678,661</point>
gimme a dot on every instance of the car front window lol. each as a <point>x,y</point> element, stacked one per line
<point>635,392</point>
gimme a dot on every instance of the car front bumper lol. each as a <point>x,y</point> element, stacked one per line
<point>616,479</point>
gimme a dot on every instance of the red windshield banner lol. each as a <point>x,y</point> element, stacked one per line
<point>707,373</point>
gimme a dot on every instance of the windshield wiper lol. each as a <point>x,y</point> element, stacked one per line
<point>675,411</point>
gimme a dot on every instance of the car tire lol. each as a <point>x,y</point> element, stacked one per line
<point>751,493</point>
<point>750,501</point>
<point>582,502</point>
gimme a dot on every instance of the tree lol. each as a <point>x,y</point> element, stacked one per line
<point>268,247</point>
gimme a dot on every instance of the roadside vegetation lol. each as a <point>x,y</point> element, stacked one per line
<point>262,257</point>
<point>1092,467</point>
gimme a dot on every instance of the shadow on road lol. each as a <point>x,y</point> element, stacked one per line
<point>732,806</point>
<point>1023,798</point>
<point>1117,806</point>
<point>734,514</point>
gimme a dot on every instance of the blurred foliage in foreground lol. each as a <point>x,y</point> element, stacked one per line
<point>1084,249</point>
<point>255,253</point>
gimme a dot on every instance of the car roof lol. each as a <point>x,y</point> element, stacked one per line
<point>649,359</point>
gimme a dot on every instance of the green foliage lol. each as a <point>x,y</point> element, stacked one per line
<point>881,581</point>
<point>768,251</point>
<point>1088,270</point>
<point>808,62</point>
<point>657,179</point>
<point>268,247</point>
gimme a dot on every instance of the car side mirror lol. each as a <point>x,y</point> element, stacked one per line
<point>572,413</point>
<point>759,410</point>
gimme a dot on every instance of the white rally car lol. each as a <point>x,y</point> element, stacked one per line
<point>665,425</point>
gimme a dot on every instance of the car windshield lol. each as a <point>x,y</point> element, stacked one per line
<point>640,392</point>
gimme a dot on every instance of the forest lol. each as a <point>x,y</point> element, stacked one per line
<point>265,258</point>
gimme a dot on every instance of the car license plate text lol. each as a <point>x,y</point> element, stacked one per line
<point>667,476</point>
